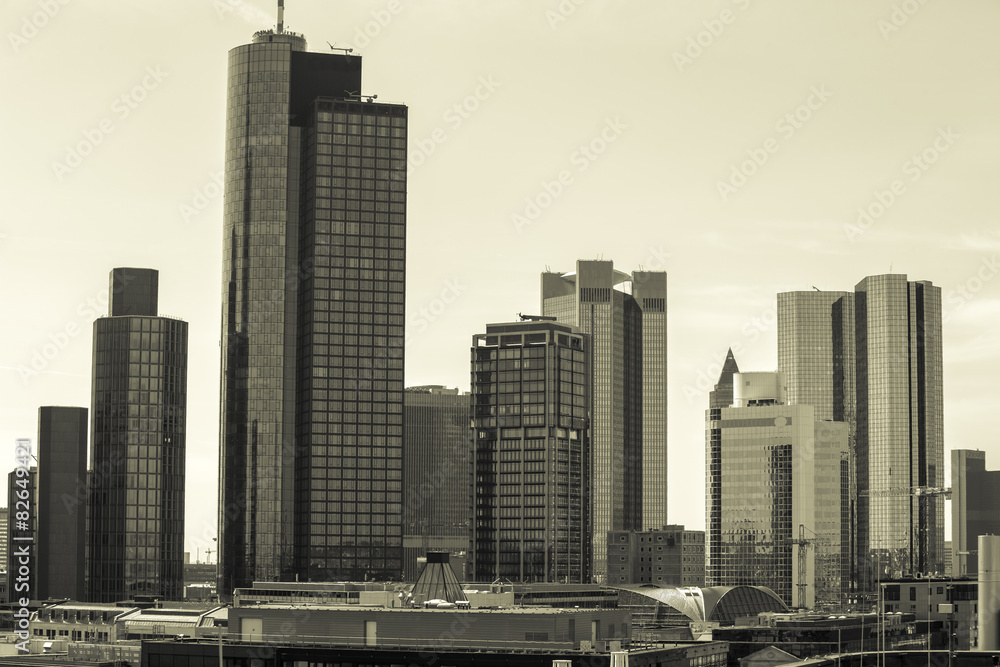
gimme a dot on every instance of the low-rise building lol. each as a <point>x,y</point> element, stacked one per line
<point>668,556</point>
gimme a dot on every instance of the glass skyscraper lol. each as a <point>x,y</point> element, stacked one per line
<point>777,494</point>
<point>312,320</point>
<point>872,358</point>
<point>136,487</point>
<point>530,392</point>
<point>626,318</point>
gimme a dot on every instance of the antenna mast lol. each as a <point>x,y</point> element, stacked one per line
<point>281,16</point>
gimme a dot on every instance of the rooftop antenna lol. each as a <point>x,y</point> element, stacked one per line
<point>339,48</point>
<point>281,16</point>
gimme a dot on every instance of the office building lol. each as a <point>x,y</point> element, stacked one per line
<point>777,495</point>
<point>531,447</point>
<point>626,318</point>
<point>22,532</point>
<point>136,481</point>
<point>872,359</point>
<point>312,319</point>
<point>670,556</point>
<point>437,477</point>
<point>975,508</point>
<point>62,515</point>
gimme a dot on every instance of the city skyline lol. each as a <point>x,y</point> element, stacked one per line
<point>145,194</point>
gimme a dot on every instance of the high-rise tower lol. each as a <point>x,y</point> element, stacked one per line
<point>530,392</point>
<point>136,488</point>
<point>312,319</point>
<point>872,358</point>
<point>626,317</point>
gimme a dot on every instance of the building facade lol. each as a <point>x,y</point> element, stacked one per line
<point>872,359</point>
<point>530,392</point>
<point>62,514</point>
<point>975,508</point>
<point>136,482</point>
<point>313,314</point>
<point>437,477</point>
<point>626,318</point>
<point>777,495</point>
<point>670,556</point>
<point>22,533</point>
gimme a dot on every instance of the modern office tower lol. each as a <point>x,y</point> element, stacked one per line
<point>530,383</point>
<point>975,508</point>
<point>900,437</point>
<point>437,477</point>
<point>136,481</point>
<point>22,534</point>
<point>722,395</point>
<point>777,495</point>
<point>668,556</point>
<point>872,358</point>
<point>62,512</point>
<point>626,317</point>
<point>312,320</point>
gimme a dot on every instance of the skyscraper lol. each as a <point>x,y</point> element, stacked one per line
<point>975,508</point>
<point>777,495</point>
<point>62,517</point>
<point>437,476</point>
<point>530,383</point>
<point>873,360</point>
<point>626,318</point>
<point>136,487</point>
<point>312,320</point>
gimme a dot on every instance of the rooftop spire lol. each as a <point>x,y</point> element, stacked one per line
<point>281,16</point>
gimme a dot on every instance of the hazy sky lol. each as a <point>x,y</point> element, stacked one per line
<point>730,143</point>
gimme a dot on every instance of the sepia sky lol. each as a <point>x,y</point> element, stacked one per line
<point>746,147</point>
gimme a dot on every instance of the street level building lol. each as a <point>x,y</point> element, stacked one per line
<point>531,400</point>
<point>670,556</point>
<point>312,319</point>
<point>136,487</point>
<point>626,319</point>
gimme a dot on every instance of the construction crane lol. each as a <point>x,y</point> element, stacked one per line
<point>804,544</point>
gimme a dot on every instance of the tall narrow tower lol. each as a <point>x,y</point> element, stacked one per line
<point>312,319</point>
<point>626,317</point>
<point>136,498</point>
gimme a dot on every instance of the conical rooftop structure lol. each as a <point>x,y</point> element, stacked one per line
<point>437,581</point>
<point>722,396</point>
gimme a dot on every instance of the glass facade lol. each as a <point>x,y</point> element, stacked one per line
<point>872,359</point>
<point>975,508</point>
<point>530,392</point>
<point>313,317</point>
<point>437,476</point>
<point>628,334</point>
<point>777,490</point>
<point>900,441</point>
<point>136,510</point>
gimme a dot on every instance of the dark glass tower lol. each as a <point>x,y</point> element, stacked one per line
<point>136,497</point>
<point>531,400</point>
<point>312,320</point>
<point>437,477</point>
<point>62,514</point>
